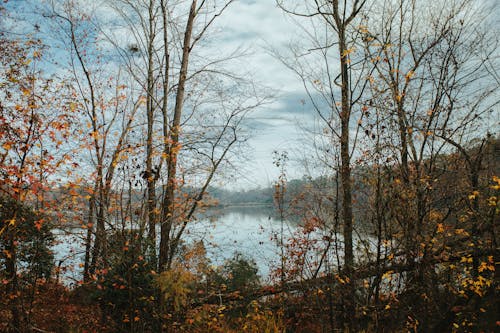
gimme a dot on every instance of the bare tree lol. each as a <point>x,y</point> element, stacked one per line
<point>424,70</point>
<point>431,86</point>
<point>109,109</point>
<point>193,123</point>
<point>342,73</point>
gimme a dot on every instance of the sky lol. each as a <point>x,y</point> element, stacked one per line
<point>280,126</point>
<point>261,26</point>
<point>255,25</point>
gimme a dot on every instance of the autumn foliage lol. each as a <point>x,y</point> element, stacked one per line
<point>117,146</point>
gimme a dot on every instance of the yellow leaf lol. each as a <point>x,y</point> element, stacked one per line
<point>347,52</point>
<point>473,195</point>
<point>486,266</point>
<point>466,259</point>
<point>387,275</point>
<point>363,29</point>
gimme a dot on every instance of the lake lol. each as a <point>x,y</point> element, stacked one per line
<point>248,230</point>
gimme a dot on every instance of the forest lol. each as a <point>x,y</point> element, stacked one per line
<point>125,121</point>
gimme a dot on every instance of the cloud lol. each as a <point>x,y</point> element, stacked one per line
<point>256,25</point>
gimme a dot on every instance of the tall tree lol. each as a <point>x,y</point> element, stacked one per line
<point>431,86</point>
<point>342,75</point>
<point>35,122</point>
<point>184,129</point>
<point>425,65</point>
<point>108,112</point>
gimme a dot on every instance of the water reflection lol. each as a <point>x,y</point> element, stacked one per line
<point>248,230</point>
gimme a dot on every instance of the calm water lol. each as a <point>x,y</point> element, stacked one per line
<point>248,230</point>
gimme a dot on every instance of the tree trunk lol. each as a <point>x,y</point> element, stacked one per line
<point>149,175</point>
<point>88,239</point>
<point>345,177</point>
<point>166,252</point>
<point>98,252</point>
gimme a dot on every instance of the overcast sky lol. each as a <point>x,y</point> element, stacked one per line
<point>256,25</point>
<point>260,25</point>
